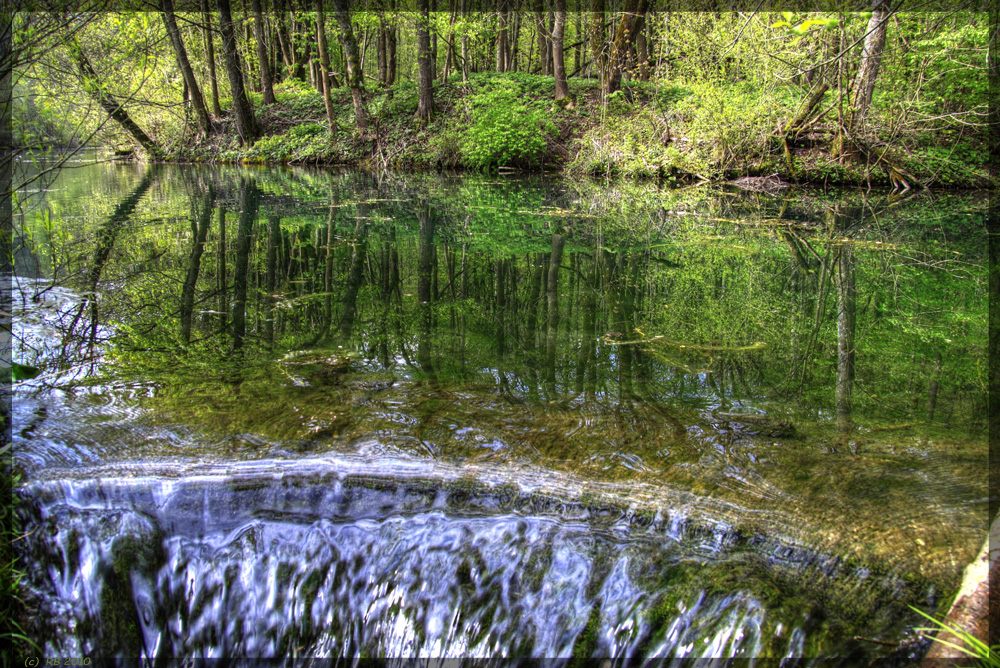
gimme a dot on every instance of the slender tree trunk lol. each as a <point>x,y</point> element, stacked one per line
<point>578,48</point>
<point>871,60</point>
<point>597,42</point>
<point>434,42</point>
<point>284,38</point>
<point>199,229</point>
<point>534,290</point>
<point>465,47</point>
<point>559,64</point>
<point>248,215</point>
<point>425,267</point>
<point>932,390</point>
<point>642,50</point>
<point>624,43</point>
<point>558,241</point>
<point>210,57</point>
<point>324,60</point>
<point>846,300</point>
<point>355,78</point>
<point>543,61</point>
<point>502,49</point>
<point>107,235</point>
<point>301,55</point>
<point>549,55</point>
<point>383,46</point>
<point>391,38</point>
<point>223,284</point>
<point>270,281</point>
<point>93,85</point>
<point>193,89</point>
<point>425,77</point>
<point>246,122</point>
<point>359,252</point>
<point>260,33</point>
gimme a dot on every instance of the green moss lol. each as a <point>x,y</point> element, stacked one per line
<point>587,641</point>
<point>120,627</point>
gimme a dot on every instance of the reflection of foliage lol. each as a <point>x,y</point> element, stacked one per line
<point>704,269</point>
<point>695,343</point>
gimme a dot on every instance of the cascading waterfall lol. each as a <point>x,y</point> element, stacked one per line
<point>279,565</point>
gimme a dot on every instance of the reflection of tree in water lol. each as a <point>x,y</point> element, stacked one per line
<point>544,305</point>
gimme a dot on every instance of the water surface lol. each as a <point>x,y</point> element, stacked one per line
<point>292,412</point>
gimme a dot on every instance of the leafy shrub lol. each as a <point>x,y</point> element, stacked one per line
<point>309,142</point>
<point>521,83</point>
<point>728,126</point>
<point>618,104</point>
<point>669,96</point>
<point>504,130</point>
<point>299,96</point>
<point>444,146</point>
<point>402,103</point>
<point>632,145</point>
<point>961,164</point>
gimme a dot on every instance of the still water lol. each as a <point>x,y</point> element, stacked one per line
<point>309,413</point>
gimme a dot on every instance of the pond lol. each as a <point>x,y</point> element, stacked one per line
<point>292,412</point>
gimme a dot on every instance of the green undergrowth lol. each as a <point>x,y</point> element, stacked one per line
<point>665,131</point>
<point>13,607</point>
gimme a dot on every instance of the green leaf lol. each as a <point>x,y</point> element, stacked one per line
<point>21,372</point>
<point>781,24</point>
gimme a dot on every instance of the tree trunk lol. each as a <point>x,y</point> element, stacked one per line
<point>465,51</point>
<point>390,45</point>
<point>266,80</point>
<point>383,45</point>
<point>92,84</point>
<point>871,59</point>
<point>555,260</point>
<point>562,87</point>
<point>597,42</point>
<point>210,57</point>
<point>846,300</point>
<point>284,38</point>
<point>270,280</point>
<point>642,50</point>
<point>932,390</point>
<point>425,266</point>
<point>197,101</point>
<point>246,123</point>
<point>107,235</point>
<point>355,79</point>
<point>425,78</point>
<point>248,215</point>
<point>301,55</point>
<point>324,61</point>
<point>502,48</point>
<point>359,253</point>
<point>223,281</point>
<point>543,60</point>
<point>199,229</point>
<point>624,43</point>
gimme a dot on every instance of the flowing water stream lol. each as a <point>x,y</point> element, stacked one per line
<point>303,413</point>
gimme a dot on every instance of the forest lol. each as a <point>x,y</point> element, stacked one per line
<point>892,96</point>
<point>499,328</point>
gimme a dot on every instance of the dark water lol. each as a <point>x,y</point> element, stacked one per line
<point>304,413</point>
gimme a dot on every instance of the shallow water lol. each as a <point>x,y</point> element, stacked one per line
<point>301,412</point>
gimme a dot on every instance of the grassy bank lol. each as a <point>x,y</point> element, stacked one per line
<point>678,133</point>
